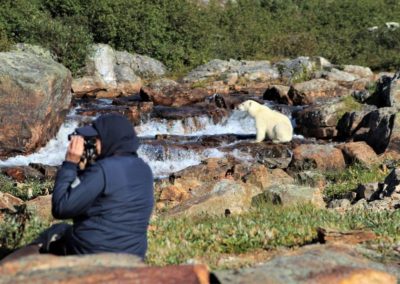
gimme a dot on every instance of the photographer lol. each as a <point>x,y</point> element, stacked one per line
<point>111,199</point>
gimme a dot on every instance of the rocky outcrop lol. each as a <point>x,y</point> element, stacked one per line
<point>231,71</point>
<point>112,73</point>
<point>34,99</point>
<point>315,264</point>
<point>321,157</point>
<point>387,92</point>
<point>374,127</point>
<point>359,152</point>
<point>308,92</point>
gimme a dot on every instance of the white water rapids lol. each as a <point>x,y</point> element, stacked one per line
<point>162,165</point>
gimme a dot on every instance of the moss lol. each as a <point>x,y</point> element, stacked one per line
<point>348,104</point>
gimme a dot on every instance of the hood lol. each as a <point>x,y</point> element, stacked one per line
<point>117,135</point>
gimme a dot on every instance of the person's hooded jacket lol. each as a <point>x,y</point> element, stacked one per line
<point>111,201</point>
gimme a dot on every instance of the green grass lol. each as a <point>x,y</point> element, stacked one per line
<point>26,190</point>
<point>349,104</point>
<point>342,182</point>
<point>177,240</point>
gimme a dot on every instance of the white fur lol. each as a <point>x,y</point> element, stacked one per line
<point>274,124</point>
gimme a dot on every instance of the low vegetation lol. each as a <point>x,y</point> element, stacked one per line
<point>181,240</point>
<point>186,33</point>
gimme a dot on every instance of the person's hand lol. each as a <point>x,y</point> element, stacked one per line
<point>75,149</point>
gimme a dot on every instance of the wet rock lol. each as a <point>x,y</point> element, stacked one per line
<point>175,96</point>
<point>359,152</point>
<point>314,264</point>
<point>99,268</point>
<point>278,93</point>
<point>49,172</point>
<point>34,102</point>
<point>308,92</point>
<point>290,195</point>
<point>266,153</point>
<point>23,173</point>
<point>312,156</point>
<point>7,201</point>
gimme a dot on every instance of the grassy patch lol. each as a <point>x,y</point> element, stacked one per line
<point>27,190</point>
<point>178,240</point>
<point>348,104</point>
<point>342,182</point>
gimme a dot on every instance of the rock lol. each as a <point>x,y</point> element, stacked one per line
<point>361,95</point>
<point>359,152</point>
<point>339,76</point>
<point>23,173</point>
<point>7,201</point>
<point>269,154</point>
<point>99,268</point>
<point>392,182</point>
<point>226,197</point>
<point>163,83</point>
<point>341,205</point>
<point>320,120</point>
<point>298,69</point>
<point>387,92</point>
<point>369,191</point>
<point>34,100</point>
<point>143,66</point>
<point>314,264</point>
<point>360,71</point>
<point>112,73</point>
<point>393,148</point>
<point>231,71</point>
<point>175,96</point>
<point>278,93</point>
<point>321,157</point>
<point>326,235</point>
<point>308,92</point>
<point>290,195</point>
<point>373,127</point>
<point>41,208</point>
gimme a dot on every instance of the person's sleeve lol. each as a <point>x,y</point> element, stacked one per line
<point>73,194</point>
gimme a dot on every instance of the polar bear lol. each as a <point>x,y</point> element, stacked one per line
<point>274,124</point>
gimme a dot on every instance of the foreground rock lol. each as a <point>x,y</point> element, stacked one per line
<point>34,99</point>
<point>315,264</point>
<point>99,268</point>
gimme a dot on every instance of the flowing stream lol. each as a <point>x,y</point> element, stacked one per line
<point>162,163</point>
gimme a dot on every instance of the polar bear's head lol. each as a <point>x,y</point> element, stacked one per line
<point>247,105</point>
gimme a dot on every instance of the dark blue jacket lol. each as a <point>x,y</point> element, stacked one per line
<point>110,203</point>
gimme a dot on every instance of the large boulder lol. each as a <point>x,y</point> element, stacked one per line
<point>374,127</point>
<point>35,95</point>
<point>314,264</point>
<point>308,92</point>
<point>387,92</point>
<point>111,73</point>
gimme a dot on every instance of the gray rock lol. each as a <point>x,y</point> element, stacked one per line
<point>144,66</point>
<point>290,195</point>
